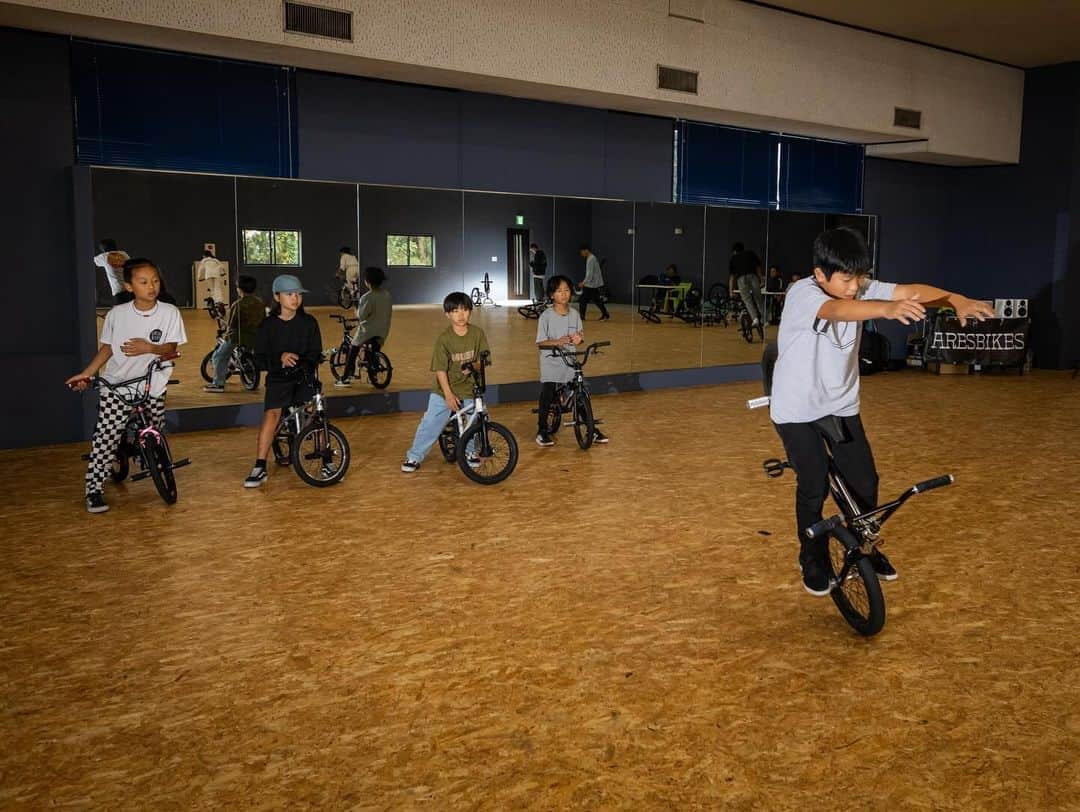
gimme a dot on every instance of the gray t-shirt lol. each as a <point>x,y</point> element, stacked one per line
<point>817,371</point>
<point>551,325</point>
<point>594,277</point>
<point>374,310</point>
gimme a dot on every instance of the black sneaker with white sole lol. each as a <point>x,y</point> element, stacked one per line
<point>95,503</point>
<point>883,567</point>
<point>815,579</point>
<point>543,439</point>
<point>599,437</point>
<point>256,478</point>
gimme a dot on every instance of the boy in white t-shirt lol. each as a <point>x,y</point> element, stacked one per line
<point>212,270</point>
<point>133,336</point>
<point>111,260</point>
<point>816,378</point>
<point>349,267</point>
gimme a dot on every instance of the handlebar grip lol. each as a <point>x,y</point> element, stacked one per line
<point>930,484</point>
<point>599,344</point>
<point>824,526</point>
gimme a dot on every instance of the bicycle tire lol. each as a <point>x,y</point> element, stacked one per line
<point>121,466</point>
<point>553,418</point>
<point>477,297</point>
<point>282,448</point>
<point>207,367</point>
<point>327,459</point>
<point>344,297</point>
<point>379,370</point>
<point>504,453</point>
<point>338,359</point>
<point>858,597</point>
<point>157,454</point>
<point>746,326</point>
<point>448,444</point>
<point>249,372</point>
<point>584,425</point>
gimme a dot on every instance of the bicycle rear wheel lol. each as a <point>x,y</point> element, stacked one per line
<point>491,461</point>
<point>120,464</point>
<point>380,370</point>
<point>746,326</point>
<point>448,442</point>
<point>156,450</point>
<point>857,592</point>
<point>553,418</point>
<point>345,297</point>
<point>320,455</point>
<point>584,426</point>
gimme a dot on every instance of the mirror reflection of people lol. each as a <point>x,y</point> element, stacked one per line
<point>591,284</point>
<point>242,322</point>
<point>111,260</point>
<point>134,335</point>
<point>538,267</point>
<point>745,267</point>
<point>774,284</point>
<point>287,337</point>
<point>670,275</point>
<point>212,270</point>
<point>374,311</point>
<point>349,268</point>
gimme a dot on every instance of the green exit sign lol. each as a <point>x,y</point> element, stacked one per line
<point>519,219</point>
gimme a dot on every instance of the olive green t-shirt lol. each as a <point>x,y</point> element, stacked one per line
<point>451,351</point>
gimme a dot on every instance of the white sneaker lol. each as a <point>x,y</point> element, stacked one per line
<point>409,466</point>
<point>344,383</point>
<point>256,478</point>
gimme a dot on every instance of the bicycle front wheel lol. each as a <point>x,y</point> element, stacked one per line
<point>338,359</point>
<point>249,372</point>
<point>380,370</point>
<point>207,367</point>
<point>584,425</point>
<point>156,450</point>
<point>857,592</point>
<point>487,452</point>
<point>320,455</point>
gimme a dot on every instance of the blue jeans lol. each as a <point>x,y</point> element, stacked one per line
<point>431,426</point>
<point>220,360</point>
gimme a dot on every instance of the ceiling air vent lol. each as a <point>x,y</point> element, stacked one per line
<point>907,118</point>
<point>685,81</point>
<point>301,18</point>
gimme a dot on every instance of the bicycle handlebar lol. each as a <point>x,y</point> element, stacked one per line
<point>570,357</point>
<point>143,380</point>
<point>825,525</point>
<point>930,484</point>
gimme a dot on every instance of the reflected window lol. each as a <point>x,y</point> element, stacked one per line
<point>271,247</point>
<point>410,251</point>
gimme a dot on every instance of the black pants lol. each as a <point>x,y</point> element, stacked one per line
<point>805,447</point>
<point>591,295</point>
<point>547,397</point>
<point>372,345</point>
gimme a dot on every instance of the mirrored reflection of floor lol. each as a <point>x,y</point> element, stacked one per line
<point>637,345</point>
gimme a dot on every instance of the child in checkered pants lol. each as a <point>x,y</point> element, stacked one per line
<point>133,336</point>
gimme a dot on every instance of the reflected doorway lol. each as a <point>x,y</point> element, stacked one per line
<point>518,274</point>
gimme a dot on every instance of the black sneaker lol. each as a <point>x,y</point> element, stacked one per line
<point>815,579</point>
<point>543,439</point>
<point>256,478</point>
<point>884,569</point>
<point>599,437</point>
<point>95,503</point>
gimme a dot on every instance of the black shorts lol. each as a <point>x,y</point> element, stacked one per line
<point>280,394</point>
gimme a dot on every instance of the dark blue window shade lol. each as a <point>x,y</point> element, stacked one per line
<point>820,175</point>
<point>726,165</point>
<point>161,110</point>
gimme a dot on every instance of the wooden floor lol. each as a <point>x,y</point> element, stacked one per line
<point>636,346</point>
<point>618,628</point>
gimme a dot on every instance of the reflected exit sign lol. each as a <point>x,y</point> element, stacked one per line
<point>520,219</point>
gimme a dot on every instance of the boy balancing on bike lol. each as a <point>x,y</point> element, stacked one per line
<point>816,380</point>
<point>458,346</point>
<point>133,336</point>
<point>286,340</point>
<point>374,311</point>
<point>559,326</point>
<point>246,314</point>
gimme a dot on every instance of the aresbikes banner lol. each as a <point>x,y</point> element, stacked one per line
<point>994,341</point>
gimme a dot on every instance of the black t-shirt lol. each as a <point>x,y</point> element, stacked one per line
<point>744,263</point>
<point>300,334</point>
<point>539,263</point>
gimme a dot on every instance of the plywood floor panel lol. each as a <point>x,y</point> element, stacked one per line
<point>606,629</point>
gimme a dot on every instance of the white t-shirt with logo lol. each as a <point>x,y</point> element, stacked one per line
<point>817,370</point>
<point>114,275</point>
<point>161,324</point>
<point>350,266</point>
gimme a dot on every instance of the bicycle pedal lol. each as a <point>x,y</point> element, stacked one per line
<point>181,463</point>
<point>140,475</point>
<point>774,467</point>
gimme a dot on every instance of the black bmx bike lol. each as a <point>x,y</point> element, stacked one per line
<point>306,439</point>
<point>485,451</point>
<point>142,441</point>
<point>375,363</point>
<point>573,398</point>
<point>854,533</point>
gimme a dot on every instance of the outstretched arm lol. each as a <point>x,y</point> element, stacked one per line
<point>937,297</point>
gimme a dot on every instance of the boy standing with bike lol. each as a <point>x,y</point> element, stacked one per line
<point>133,336</point>
<point>815,386</point>
<point>457,349</point>
<point>245,317</point>
<point>559,326</point>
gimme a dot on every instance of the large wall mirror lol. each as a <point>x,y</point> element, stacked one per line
<point>662,263</point>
